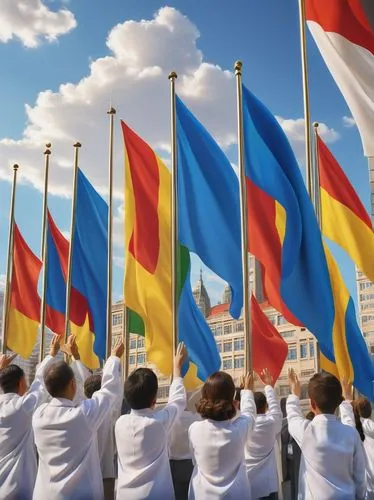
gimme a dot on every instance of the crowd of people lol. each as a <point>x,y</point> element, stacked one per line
<point>69,436</point>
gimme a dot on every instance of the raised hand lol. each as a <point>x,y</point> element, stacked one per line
<point>347,389</point>
<point>248,382</point>
<point>71,348</point>
<point>179,359</point>
<point>6,359</point>
<point>294,382</point>
<point>119,348</point>
<point>266,378</point>
<point>55,345</point>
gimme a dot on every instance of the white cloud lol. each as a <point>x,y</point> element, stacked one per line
<point>349,121</point>
<point>31,22</point>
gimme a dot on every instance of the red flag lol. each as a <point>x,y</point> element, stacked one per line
<point>269,348</point>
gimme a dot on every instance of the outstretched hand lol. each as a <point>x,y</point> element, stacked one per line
<point>6,359</point>
<point>71,348</point>
<point>55,345</point>
<point>294,382</point>
<point>266,377</point>
<point>119,348</point>
<point>247,382</point>
<point>179,359</point>
<point>347,389</point>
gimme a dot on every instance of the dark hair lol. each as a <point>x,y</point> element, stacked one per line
<point>141,389</point>
<point>91,385</point>
<point>238,393</point>
<point>310,415</point>
<point>283,403</point>
<point>57,377</point>
<point>325,391</point>
<point>363,407</point>
<point>10,377</point>
<point>358,423</point>
<point>260,401</point>
<point>217,397</point>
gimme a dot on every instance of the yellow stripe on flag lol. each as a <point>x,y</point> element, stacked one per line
<point>280,221</point>
<point>22,333</point>
<point>85,340</point>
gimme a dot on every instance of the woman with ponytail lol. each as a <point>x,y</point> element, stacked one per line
<point>217,442</point>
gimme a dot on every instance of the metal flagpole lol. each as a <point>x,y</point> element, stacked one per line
<point>43,306</point>
<point>126,342</point>
<point>244,222</point>
<point>9,262</point>
<point>317,192</point>
<point>77,145</point>
<point>111,114</point>
<point>174,214</point>
<point>371,180</point>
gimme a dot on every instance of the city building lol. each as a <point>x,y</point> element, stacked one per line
<point>365,292</point>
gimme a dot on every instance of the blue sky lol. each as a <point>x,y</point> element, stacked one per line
<point>262,34</point>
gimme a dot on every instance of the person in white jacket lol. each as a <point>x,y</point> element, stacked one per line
<point>217,442</point>
<point>18,464</point>
<point>142,435</point>
<point>65,433</point>
<point>333,463</point>
<point>260,452</point>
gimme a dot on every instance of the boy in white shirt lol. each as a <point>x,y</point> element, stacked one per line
<point>333,463</point>
<point>260,453</point>
<point>142,435</point>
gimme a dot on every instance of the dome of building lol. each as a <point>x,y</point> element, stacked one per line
<point>201,296</point>
<point>227,296</point>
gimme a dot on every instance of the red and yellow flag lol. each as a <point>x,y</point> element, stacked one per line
<point>24,303</point>
<point>344,218</point>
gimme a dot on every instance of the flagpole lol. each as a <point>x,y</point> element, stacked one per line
<point>244,222</point>
<point>111,114</point>
<point>371,180</point>
<point>126,342</point>
<point>77,145</point>
<point>44,253</point>
<point>9,261</point>
<point>174,214</point>
<point>317,193</point>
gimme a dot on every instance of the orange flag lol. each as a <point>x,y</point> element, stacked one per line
<point>269,348</point>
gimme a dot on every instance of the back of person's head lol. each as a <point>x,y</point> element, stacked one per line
<point>217,397</point>
<point>260,402</point>
<point>59,380</point>
<point>12,379</point>
<point>91,385</point>
<point>363,407</point>
<point>283,403</point>
<point>325,393</point>
<point>141,389</point>
<point>358,423</point>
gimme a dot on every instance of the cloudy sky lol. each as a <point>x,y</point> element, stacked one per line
<point>65,61</point>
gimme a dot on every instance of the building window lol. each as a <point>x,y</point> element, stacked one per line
<point>140,342</point>
<point>289,333</point>
<point>133,343</point>
<point>366,319</point>
<point>238,344</point>
<point>282,320</point>
<point>117,319</point>
<point>303,351</point>
<point>311,349</point>
<point>218,330</point>
<point>240,326</point>
<point>239,362</point>
<point>292,353</point>
<point>132,359</point>
<point>227,329</point>
<point>163,392</point>
<point>273,320</point>
<point>219,346</point>
<point>141,359</point>
<point>284,390</point>
<point>227,364</point>
<point>227,346</point>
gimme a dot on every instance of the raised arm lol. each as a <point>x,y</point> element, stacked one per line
<point>296,422</point>
<point>81,373</point>
<point>346,411</point>
<point>247,402</point>
<point>274,412</point>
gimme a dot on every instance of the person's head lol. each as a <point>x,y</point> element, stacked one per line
<point>261,403</point>
<point>283,403</point>
<point>358,422</point>
<point>91,385</point>
<point>237,397</point>
<point>325,393</point>
<point>310,415</point>
<point>60,381</point>
<point>363,407</point>
<point>217,397</point>
<point>141,389</point>
<point>12,379</point>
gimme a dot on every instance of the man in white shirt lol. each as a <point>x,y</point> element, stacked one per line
<point>333,463</point>
<point>65,433</point>
<point>142,435</point>
<point>260,453</point>
<point>18,463</point>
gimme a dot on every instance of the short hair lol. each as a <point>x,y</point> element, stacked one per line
<point>325,391</point>
<point>91,385</point>
<point>260,401</point>
<point>217,397</point>
<point>363,407</point>
<point>310,415</point>
<point>141,389</point>
<point>57,377</point>
<point>10,377</point>
<point>238,393</point>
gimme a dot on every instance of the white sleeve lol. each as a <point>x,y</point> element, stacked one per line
<point>96,408</point>
<point>296,422</point>
<point>248,407</point>
<point>368,426</point>
<point>37,391</point>
<point>176,404</point>
<point>346,414</point>
<point>359,469</point>
<point>274,413</point>
<point>81,373</point>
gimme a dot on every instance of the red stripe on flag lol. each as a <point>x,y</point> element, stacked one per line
<point>145,241</point>
<point>335,182</point>
<point>345,17</point>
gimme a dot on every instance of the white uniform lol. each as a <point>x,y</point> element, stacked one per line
<point>218,455</point>
<point>65,436</point>
<point>333,463</point>
<point>179,445</point>
<point>260,452</point>
<point>142,447</point>
<point>18,464</point>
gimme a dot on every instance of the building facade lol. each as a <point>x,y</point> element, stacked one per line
<point>365,292</point>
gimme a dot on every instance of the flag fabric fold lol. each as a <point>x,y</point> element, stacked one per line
<point>24,304</point>
<point>344,33</point>
<point>148,267</point>
<point>344,218</point>
<point>208,203</point>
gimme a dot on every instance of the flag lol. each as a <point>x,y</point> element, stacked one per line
<point>208,203</point>
<point>304,278</point>
<point>24,304</point>
<point>269,349</point>
<point>344,218</point>
<point>80,318</point>
<point>148,267</point>
<point>344,33</point>
<point>90,259</point>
